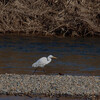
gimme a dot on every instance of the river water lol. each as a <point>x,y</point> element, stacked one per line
<point>75,56</point>
<point>38,98</point>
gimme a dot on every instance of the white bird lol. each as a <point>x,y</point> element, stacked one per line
<point>42,62</point>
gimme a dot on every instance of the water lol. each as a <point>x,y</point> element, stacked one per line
<point>76,56</point>
<point>38,98</point>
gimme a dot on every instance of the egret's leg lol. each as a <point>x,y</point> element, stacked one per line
<point>35,70</point>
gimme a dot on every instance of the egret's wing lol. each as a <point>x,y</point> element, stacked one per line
<point>40,63</point>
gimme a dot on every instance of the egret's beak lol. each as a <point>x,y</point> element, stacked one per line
<point>54,57</point>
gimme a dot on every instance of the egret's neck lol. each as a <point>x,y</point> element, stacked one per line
<point>49,59</point>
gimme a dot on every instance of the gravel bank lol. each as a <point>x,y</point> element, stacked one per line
<point>49,84</point>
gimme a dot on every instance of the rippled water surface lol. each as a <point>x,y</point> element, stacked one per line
<point>75,56</point>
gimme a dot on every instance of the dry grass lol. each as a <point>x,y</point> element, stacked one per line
<point>50,17</point>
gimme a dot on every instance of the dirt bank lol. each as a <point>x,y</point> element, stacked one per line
<point>50,17</point>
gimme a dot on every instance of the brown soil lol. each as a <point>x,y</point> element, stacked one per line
<point>50,17</point>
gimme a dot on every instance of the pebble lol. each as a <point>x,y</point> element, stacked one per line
<point>50,84</point>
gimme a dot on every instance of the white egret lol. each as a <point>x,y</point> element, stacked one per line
<point>42,62</point>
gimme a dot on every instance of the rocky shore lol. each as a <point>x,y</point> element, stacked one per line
<point>50,85</point>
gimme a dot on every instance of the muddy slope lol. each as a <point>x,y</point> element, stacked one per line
<point>50,17</point>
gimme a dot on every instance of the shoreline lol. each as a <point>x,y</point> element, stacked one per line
<point>50,85</point>
<point>42,97</point>
<point>46,36</point>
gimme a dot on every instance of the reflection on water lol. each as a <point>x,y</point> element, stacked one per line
<point>75,56</point>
